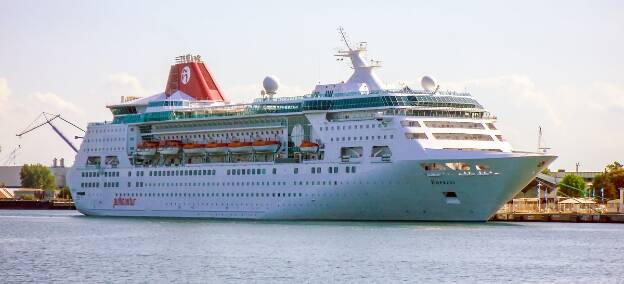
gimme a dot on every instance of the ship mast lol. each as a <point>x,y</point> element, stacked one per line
<point>363,71</point>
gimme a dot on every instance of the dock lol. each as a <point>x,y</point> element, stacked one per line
<point>37,205</point>
<point>559,217</point>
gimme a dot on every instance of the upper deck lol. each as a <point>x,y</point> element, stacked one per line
<point>382,99</point>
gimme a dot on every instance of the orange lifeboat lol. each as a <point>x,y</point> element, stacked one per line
<point>240,147</point>
<point>308,147</point>
<point>147,148</point>
<point>268,146</point>
<point>216,148</point>
<point>194,148</point>
<point>169,147</point>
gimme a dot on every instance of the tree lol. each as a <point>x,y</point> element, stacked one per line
<point>547,172</point>
<point>573,186</point>
<point>37,176</point>
<point>610,180</point>
<point>64,193</point>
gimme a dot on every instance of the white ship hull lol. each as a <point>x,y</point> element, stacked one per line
<point>399,190</point>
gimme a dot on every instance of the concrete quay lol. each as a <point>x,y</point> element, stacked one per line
<point>559,217</point>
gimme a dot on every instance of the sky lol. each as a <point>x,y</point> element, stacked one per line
<point>554,64</point>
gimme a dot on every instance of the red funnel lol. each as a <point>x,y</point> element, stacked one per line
<point>191,76</point>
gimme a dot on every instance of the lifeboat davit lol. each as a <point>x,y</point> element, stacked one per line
<point>267,146</point>
<point>240,147</point>
<point>213,148</point>
<point>147,148</point>
<point>194,148</point>
<point>170,147</point>
<point>308,147</point>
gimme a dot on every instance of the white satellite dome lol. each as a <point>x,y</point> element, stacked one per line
<point>428,84</point>
<point>270,84</point>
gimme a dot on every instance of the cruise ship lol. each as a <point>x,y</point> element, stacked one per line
<point>353,150</point>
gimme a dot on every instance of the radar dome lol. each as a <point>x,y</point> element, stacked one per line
<point>270,84</point>
<point>428,84</point>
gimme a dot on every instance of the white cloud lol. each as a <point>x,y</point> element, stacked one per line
<point>124,84</point>
<point>519,89</point>
<point>47,99</point>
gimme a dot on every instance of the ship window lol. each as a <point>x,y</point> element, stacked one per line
<point>463,136</point>
<point>432,166</point>
<point>296,170</point>
<point>335,170</point>
<point>347,169</point>
<point>353,169</point>
<point>329,170</point>
<point>228,172</point>
<point>482,167</point>
<point>351,152</point>
<point>458,166</point>
<point>313,170</point>
<point>274,171</point>
<point>318,170</point>
<point>416,135</point>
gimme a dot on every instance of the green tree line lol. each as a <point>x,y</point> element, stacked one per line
<point>611,180</point>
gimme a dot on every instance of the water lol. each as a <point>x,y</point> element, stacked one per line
<point>64,246</point>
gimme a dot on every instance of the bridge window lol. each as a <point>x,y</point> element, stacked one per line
<point>422,136</point>
<point>463,136</point>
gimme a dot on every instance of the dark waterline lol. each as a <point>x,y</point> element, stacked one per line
<point>65,246</point>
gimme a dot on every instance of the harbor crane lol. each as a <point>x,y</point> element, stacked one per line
<point>48,117</point>
<point>12,157</point>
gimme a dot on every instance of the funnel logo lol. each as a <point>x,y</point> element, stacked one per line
<point>185,76</point>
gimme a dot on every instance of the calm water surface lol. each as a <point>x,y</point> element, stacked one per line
<point>64,246</point>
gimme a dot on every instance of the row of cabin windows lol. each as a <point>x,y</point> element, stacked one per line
<point>105,139</point>
<point>463,136</point>
<point>361,138</point>
<point>454,136</point>
<point>239,172</point>
<point>454,124</point>
<point>204,184</point>
<point>97,174</point>
<point>179,173</point>
<point>104,149</point>
<point>104,130</point>
<point>331,170</point>
<point>256,183</point>
<point>204,194</point>
<point>89,184</point>
<point>348,127</point>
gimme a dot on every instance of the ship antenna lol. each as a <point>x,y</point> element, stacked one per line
<point>539,142</point>
<point>344,37</point>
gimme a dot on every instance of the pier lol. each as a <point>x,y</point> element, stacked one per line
<point>559,217</point>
